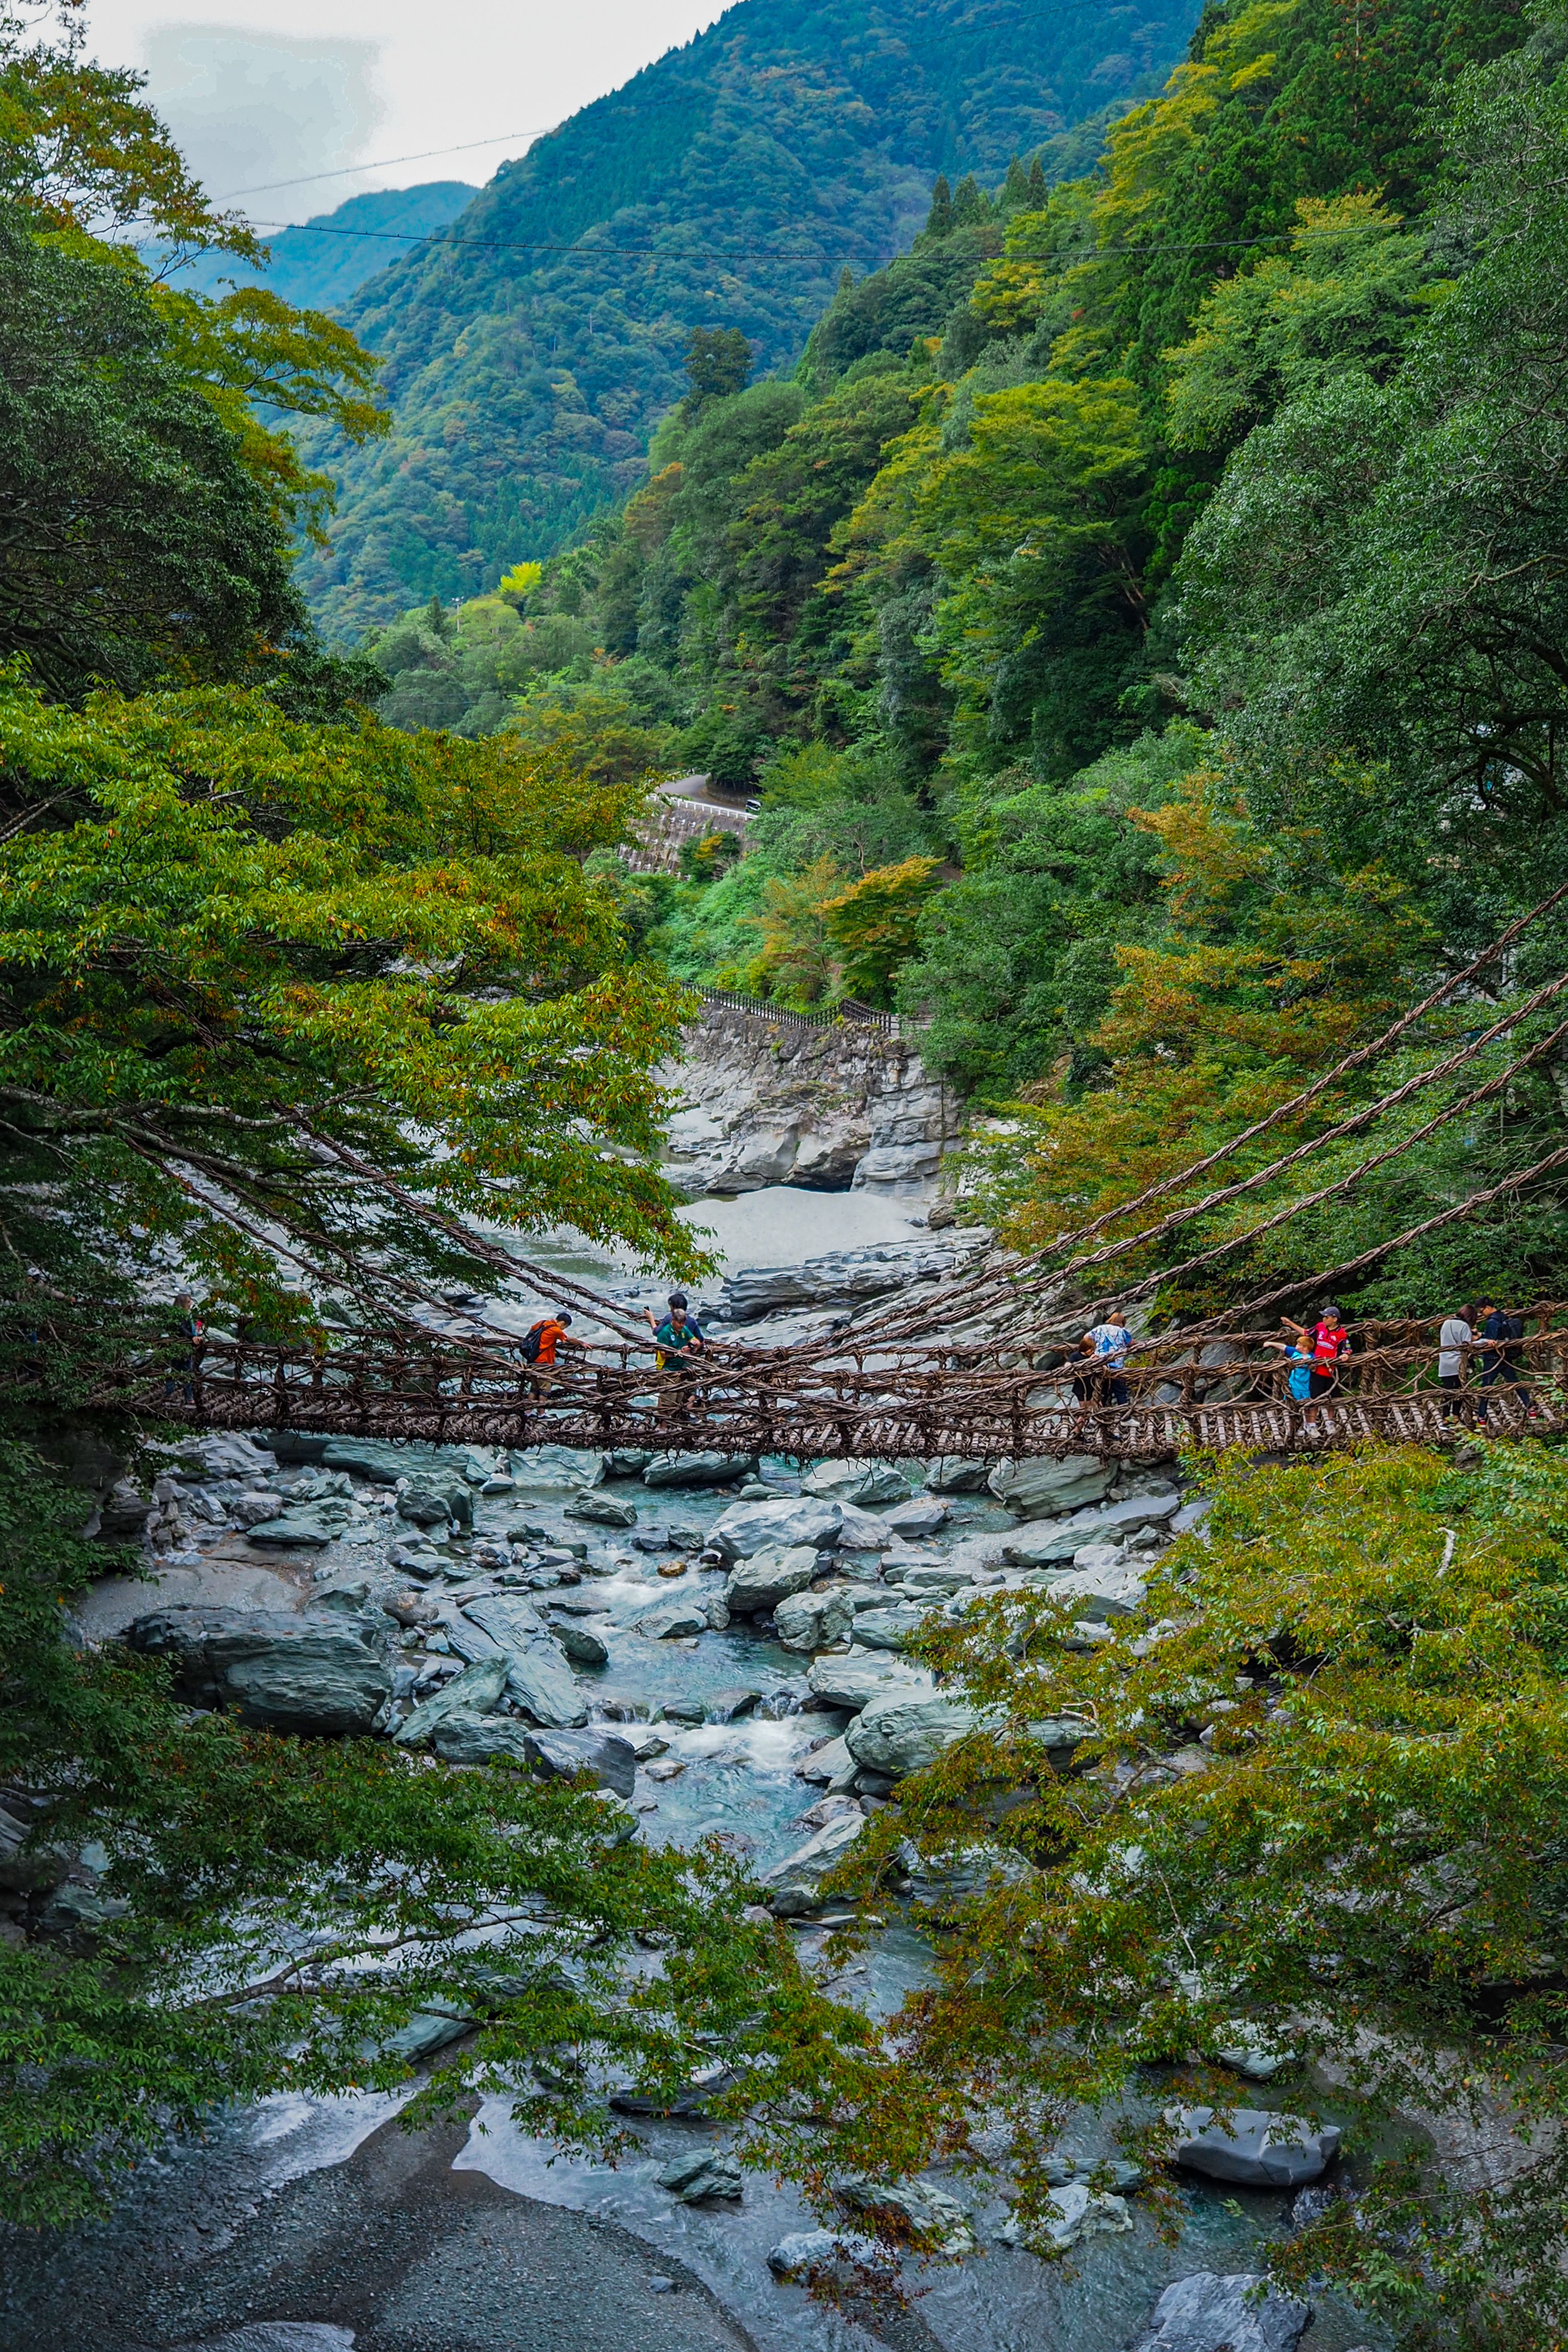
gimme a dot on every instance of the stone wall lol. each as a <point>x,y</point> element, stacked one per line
<point>836,1109</point>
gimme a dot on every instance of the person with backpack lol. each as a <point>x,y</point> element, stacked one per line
<point>1504,1335</point>
<point>538,1349</point>
<point>1325,1343</point>
<point>189,1330</point>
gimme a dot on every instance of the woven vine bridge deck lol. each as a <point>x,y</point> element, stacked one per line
<point>1017,1399</point>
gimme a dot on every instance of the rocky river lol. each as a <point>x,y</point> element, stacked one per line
<point>722,1643</point>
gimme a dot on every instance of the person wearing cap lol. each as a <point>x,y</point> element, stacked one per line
<point>679,1339</point>
<point>546,1337</point>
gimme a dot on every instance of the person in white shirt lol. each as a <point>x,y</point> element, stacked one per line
<point>1452,1340</point>
<point>1110,1341</point>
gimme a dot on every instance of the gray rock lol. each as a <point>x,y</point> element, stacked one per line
<point>864,1483</point>
<point>473,1692</point>
<point>749,1527</point>
<point>952,1476</point>
<point>465,1737</point>
<point>797,1880</point>
<point>315,1523</point>
<point>1098,1594</point>
<point>861,1530</point>
<point>1241,2313</point>
<point>1191,1516</point>
<point>602,1509</point>
<point>827,2257</point>
<point>701,2174</point>
<point>1039,1490</point>
<point>767,1577</point>
<point>898,1733</point>
<point>921,1516</point>
<point>318,1676</point>
<point>812,1620</point>
<point>681,1621</point>
<point>1260,2148</point>
<point>698,1469</point>
<point>889,1628</point>
<point>935,1577</point>
<point>626,1462</point>
<point>559,1755</point>
<point>731,1705</point>
<point>933,1879</point>
<point>582,1645</point>
<point>831,1766</point>
<point>859,1675</point>
<point>1071,2213</point>
<point>541,1682</point>
<point>939,2221</point>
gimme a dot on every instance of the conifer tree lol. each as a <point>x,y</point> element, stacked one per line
<point>1038,190</point>
<point>970,203</point>
<point>940,218</point>
<point>1015,187</point>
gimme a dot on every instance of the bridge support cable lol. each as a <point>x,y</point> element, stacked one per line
<point>1359,1120</point>
<point>543,1278</point>
<point>1334,1274</point>
<point>1358,1060</point>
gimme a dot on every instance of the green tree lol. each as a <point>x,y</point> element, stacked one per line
<point>719,361</point>
<point>875,924</point>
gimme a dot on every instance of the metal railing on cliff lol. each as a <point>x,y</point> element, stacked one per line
<point>848,1010</point>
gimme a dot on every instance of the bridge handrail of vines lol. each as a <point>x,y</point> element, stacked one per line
<point>950,1398</point>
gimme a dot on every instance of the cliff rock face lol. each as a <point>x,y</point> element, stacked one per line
<point>837,1110</point>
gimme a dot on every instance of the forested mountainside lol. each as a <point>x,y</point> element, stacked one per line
<point>319,264</point>
<point>1139,636</point>
<point>728,186</point>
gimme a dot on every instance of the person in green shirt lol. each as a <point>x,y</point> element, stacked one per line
<point>679,1339</point>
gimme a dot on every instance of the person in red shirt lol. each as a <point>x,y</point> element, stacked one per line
<point>1325,1341</point>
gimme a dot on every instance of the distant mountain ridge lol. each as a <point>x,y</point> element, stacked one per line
<point>729,184</point>
<point>322,262</point>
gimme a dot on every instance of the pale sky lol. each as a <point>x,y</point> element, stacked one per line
<point>267,90</point>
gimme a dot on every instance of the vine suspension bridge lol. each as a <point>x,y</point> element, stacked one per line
<point>975,1367</point>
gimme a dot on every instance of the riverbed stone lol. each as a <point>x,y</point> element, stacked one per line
<point>836,2257</point>
<point>474,1691</point>
<point>602,1510</point>
<point>732,1705</point>
<point>1259,2147</point>
<point>540,1681</point>
<point>939,2221</point>
<point>698,1469</point>
<point>1040,1490</point>
<point>852,1680</point>
<point>898,1732</point>
<point>1098,1594</point>
<point>889,1628</point>
<point>627,1462</point>
<point>681,1620</point>
<point>702,2173</point>
<point>465,1737</point>
<point>560,1755</point>
<point>582,1645</point>
<point>749,1527</point>
<point>797,1880</point>
<point>812,1620</point>
<point>1212,2313</point>
<point>861,1530</point>
<point>865,1483</point>
<point>322,1676</point>
<point>314,1524</point>
<point>953,1473</point>
<point>922,1515</point>
<point>760,1581</point>
<point>830,1765</point>
<point>1071,2214</point>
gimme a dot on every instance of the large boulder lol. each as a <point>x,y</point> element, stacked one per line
<point>1259,2147</point>
<point>825,2258</point>
<point>748,1527</point>
<point>812,1620</point>
<point>1098,1594</point>
<point>315,1523</point>
<point>1060,1539</point>
<point>1040,1490</point>
<point>950,1474</point>
<point>767,1577</point>
<point>541,1682</point>
<point>473,1692</point>
<point>1069,2215</point>
<point>864,1483</point>
<point>898,1732</point>
<point>602,1510</point>
<point>889,1628</point>
<point>796,1882</point>
<point>582,1645</point>
<point>861,1530</point>
<point>320,1675</point>
<point>852,1680</point>
<point>678,1621</point>
<point>921,1515</point>
<point>940,2223</point>
<point>464,1737</point>
<point>561,1755</point>
<point>1241,2313</point>
<point>698,2174</point>
<point>698,1469</point>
